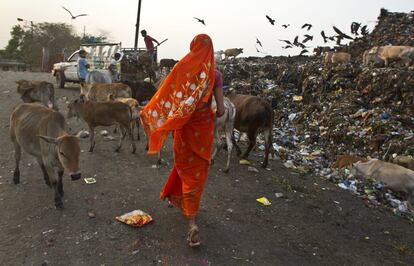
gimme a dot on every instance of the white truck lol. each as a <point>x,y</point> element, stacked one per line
<point>98,55</point>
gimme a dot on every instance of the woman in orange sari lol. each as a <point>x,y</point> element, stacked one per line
<point>183,105</point>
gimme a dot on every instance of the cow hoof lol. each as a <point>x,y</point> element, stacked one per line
<point>59,205</point>
<point>134,150</point>
<point>226,171</point>
<point>90,149</point>
<point>16,178</point>
<point>264,165</point>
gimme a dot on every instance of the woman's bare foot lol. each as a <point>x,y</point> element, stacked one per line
<point>193,237</point>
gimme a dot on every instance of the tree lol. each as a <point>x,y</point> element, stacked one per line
<point>12,50</point>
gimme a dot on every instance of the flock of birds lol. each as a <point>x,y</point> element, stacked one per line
<point>356,29</point>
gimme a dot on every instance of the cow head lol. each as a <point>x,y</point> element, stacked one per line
<point>74,106</point>
<point>33,91</point>
<point>68,151</point>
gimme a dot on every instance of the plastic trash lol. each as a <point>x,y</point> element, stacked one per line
<point>136,218</point>
<point>264,201</point>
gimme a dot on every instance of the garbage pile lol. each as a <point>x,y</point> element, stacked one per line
<point>392,28</point>
<point>321,113</point>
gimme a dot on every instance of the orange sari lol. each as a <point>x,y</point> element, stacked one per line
<point>181,105</point>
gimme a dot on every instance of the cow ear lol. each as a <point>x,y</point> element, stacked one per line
<point>48,139</point>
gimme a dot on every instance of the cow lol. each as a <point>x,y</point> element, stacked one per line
<point>100,92</point>
<point>346,160</point>
<point>404,161</point>
<point>334,58</point>
<point>135,109</point>
<point>40,132</point>
<point>395,53</point>
<point>103,114</point>
<point>94,76</point>
<point>232,52</point>
<point>321,50</point>
<point>396,177</point>
<point>141,91</point>
<point>167,63</point>
<point>224,123</point>
<point>253,115</point>
<point>37,91</point>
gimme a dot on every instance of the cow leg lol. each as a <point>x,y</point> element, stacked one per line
<point>217,144</point>
<point>60,183</point>
<point>17,156</point>
<point>129,130</point>
<point>137,126</point>
<point>252,141</point>
<point>268,145</point>
<point>92,138</point>
<point>229,130</point>
<point>55,186</point>
<point>45,175</point>
<point>233,140</point>
<point>123,132</point>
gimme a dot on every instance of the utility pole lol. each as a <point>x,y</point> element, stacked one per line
<point>137,25</point>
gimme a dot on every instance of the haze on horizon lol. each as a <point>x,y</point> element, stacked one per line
<point>230,23</point>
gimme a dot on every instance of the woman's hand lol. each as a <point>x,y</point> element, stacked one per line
<point>220,111</point>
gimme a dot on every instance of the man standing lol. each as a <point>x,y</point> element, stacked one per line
<point>149,43</point>
<point>113,67</point>
<point>82,66</point>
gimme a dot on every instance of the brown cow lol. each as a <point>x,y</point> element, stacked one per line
<point>40,131</point>
<point>103,114</point>
<point>253,115</point>
<point>37,91</point>
<point>232,52</point>
<point>337,58</point>
<point>395,53</point>
<point>99,92</point>
<point>396,177</point>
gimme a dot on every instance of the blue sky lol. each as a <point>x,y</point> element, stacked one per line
<point>230,23</point>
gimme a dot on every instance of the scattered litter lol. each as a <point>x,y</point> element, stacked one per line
<point>136,218</point>
<point>252,169</point>
<point>110,138</point>
<point>91,214</point>
<point>104,133</point>
<point>264,201</point>
<point>244,162</point>
<point>279,195</point>
<point>90,180</point>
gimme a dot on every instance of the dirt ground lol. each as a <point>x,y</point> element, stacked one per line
<point>314,223</point>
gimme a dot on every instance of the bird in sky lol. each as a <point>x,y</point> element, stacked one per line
<point>341,34</point>
<point>258,42</point>
<point>296,41</point>
<point>286,41</point>
<point>304,51</point>
<point>72,16</point>
<point>324,36</point>
<point>200,20</point>
<point>272,21</point>
<point>287,46</point>
<point>355,27</point>
<point>307,25</point>
<point>307,38</point>
<point>364,30</point>
<point>285,26</point>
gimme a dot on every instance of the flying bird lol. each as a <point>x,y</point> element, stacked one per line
<point>364,30</point>
<point>307,38</point>
<point>296,41</point>
<point>301,45</point>
<point>286,41</point>
<point>355,27</point>
<point>287,46</point>
<point>307,25</point>
<point>285,26</point>
<point>200,20</point>
<point>258,42</point>
<point>272,21</point>
<point>73,17</point>
<point>341,34</point>
<point>304,51</point>
<point>324,37</point>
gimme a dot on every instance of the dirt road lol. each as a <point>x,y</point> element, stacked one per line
<point>314,223</point>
